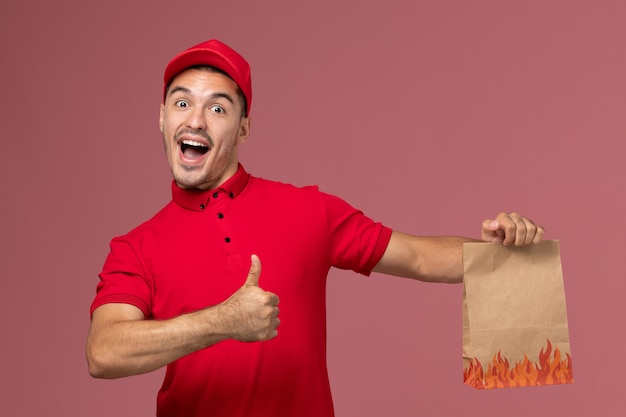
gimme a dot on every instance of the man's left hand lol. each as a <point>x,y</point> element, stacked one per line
<point>511,229</point>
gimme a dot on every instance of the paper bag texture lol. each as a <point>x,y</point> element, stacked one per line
<point>515,331</point>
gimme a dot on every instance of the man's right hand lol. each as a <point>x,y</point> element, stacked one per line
<point>251,313</point>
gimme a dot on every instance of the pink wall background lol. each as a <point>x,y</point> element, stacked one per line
<point>428,115</point>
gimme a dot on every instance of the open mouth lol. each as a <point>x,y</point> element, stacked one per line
<point>193,150</point>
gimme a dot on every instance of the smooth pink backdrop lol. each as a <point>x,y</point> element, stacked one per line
<point>428,115</point>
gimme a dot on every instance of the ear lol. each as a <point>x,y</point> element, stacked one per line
<point>161,111</point>
<point>244,130</point>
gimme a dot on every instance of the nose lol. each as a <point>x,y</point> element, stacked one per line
<point>196,119</point>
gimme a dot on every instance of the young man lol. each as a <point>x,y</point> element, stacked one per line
<point>196,288</point>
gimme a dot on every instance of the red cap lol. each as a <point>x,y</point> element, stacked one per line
<point>216,54</point>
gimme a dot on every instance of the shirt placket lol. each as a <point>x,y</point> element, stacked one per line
<point>221,212</point>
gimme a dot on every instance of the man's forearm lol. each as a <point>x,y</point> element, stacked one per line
<point>119,347</point>
<point>122,343</point>
<point>431,259</point>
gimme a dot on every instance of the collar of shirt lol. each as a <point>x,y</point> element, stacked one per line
<point>198,200</point>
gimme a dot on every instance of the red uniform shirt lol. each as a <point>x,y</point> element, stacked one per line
<point>196,252</point>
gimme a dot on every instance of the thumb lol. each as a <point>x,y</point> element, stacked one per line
<point>491,225</point>
<point>254,273</point>
<point>491,231</point>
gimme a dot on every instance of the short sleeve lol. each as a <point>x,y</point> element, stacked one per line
<point>356,241</point>
<point>123,278</point>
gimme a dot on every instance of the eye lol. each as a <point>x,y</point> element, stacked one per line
<point>217,109</point>
<point>181,103</point>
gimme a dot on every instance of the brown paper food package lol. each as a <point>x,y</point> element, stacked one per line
<point>515,330</point>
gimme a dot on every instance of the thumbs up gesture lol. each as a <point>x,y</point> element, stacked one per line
<point>251,313</point>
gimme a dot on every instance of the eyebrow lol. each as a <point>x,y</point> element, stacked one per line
<point>213,96</point>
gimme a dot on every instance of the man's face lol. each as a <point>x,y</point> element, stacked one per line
<point>202,125</point>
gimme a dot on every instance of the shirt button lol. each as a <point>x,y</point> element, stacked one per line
<point>201,206</point>
<point>220,215</point>
<point>227,240</point>
<point>215,195</point>
<point>232,195</point>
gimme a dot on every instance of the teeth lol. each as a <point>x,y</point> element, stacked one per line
<point>193,143</point>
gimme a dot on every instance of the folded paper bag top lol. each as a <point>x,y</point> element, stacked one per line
<point>515,330</point>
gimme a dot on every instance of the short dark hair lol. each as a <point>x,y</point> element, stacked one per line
<point>210,68</point>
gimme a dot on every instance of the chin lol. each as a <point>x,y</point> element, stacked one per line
<point>184,181</point>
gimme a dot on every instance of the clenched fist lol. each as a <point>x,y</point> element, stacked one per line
<point>512,229</point>
<point>251,313</point>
